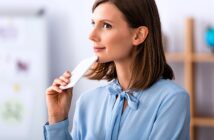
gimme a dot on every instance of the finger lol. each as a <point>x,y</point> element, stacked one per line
<point>57,89</point>
<point>53,89</point>
<point>58,82</point>
<point>64,79</point>
<point>67,74</point>
<point>69,90</point>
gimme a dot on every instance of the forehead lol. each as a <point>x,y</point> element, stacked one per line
<point>108,11</point>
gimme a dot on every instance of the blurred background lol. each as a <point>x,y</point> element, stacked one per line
<point>40,39</point>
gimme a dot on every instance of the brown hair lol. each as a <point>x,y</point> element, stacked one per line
<point>149,63</point>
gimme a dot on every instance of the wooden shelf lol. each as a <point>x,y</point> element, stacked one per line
<point>202,57</point>
<point>207,122</point>
<point>195,57</point>
<point>189,57</point>
<point>174,57</point>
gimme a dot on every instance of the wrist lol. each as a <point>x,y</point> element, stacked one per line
<point>56,119</point>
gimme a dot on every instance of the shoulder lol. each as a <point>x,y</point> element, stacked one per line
<point>166,91</point>
<point>165,97</point>
<point>172,98</point>
<point>168,88</point>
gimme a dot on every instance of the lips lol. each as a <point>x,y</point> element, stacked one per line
<point>99,49</point>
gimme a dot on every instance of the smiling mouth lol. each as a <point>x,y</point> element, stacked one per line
<point>99,49</point>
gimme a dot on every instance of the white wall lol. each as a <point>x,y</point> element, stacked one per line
<point>173,14</point>
<point>69,25</point>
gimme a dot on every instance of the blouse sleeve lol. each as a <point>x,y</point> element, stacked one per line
<point>58,131</point>
<point>173,118</point>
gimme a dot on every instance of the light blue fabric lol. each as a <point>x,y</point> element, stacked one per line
<point>160,112</point>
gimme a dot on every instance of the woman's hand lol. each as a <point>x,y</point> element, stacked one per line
<point>58,101</point>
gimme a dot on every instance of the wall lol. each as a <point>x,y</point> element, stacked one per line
<point>173,14</point>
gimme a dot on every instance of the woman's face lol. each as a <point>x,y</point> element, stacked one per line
<point>111,35</point>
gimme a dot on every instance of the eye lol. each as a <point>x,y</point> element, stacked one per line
<point>107,26</point>
<point>92,23</point>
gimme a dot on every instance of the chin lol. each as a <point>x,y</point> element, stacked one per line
<point>103,60</point>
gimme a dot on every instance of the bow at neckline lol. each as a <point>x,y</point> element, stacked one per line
<point>116,90</point>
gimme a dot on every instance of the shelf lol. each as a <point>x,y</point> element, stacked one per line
<point>203,57</point>
<point>200,121</point>
<point>174,57</point>
<point>195,57</point>
<point>188,57</point>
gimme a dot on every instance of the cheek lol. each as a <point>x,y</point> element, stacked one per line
<point>119,43</point>
<point>118,38</point>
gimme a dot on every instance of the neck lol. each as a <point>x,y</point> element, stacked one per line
<point>124,73</point>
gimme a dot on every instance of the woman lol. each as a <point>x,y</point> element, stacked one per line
<point>141,102</point>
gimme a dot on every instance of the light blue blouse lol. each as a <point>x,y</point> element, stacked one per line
<point>160,112</point>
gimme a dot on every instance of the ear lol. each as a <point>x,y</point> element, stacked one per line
<point>140,35</point>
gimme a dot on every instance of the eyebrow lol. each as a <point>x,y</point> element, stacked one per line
<point>103,20</point>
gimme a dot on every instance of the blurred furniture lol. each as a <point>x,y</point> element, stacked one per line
<point>189,58</point>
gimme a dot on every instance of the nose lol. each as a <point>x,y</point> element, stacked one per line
<point>94,35</point>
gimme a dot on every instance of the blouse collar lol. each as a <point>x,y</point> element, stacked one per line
<point>115,89</point>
